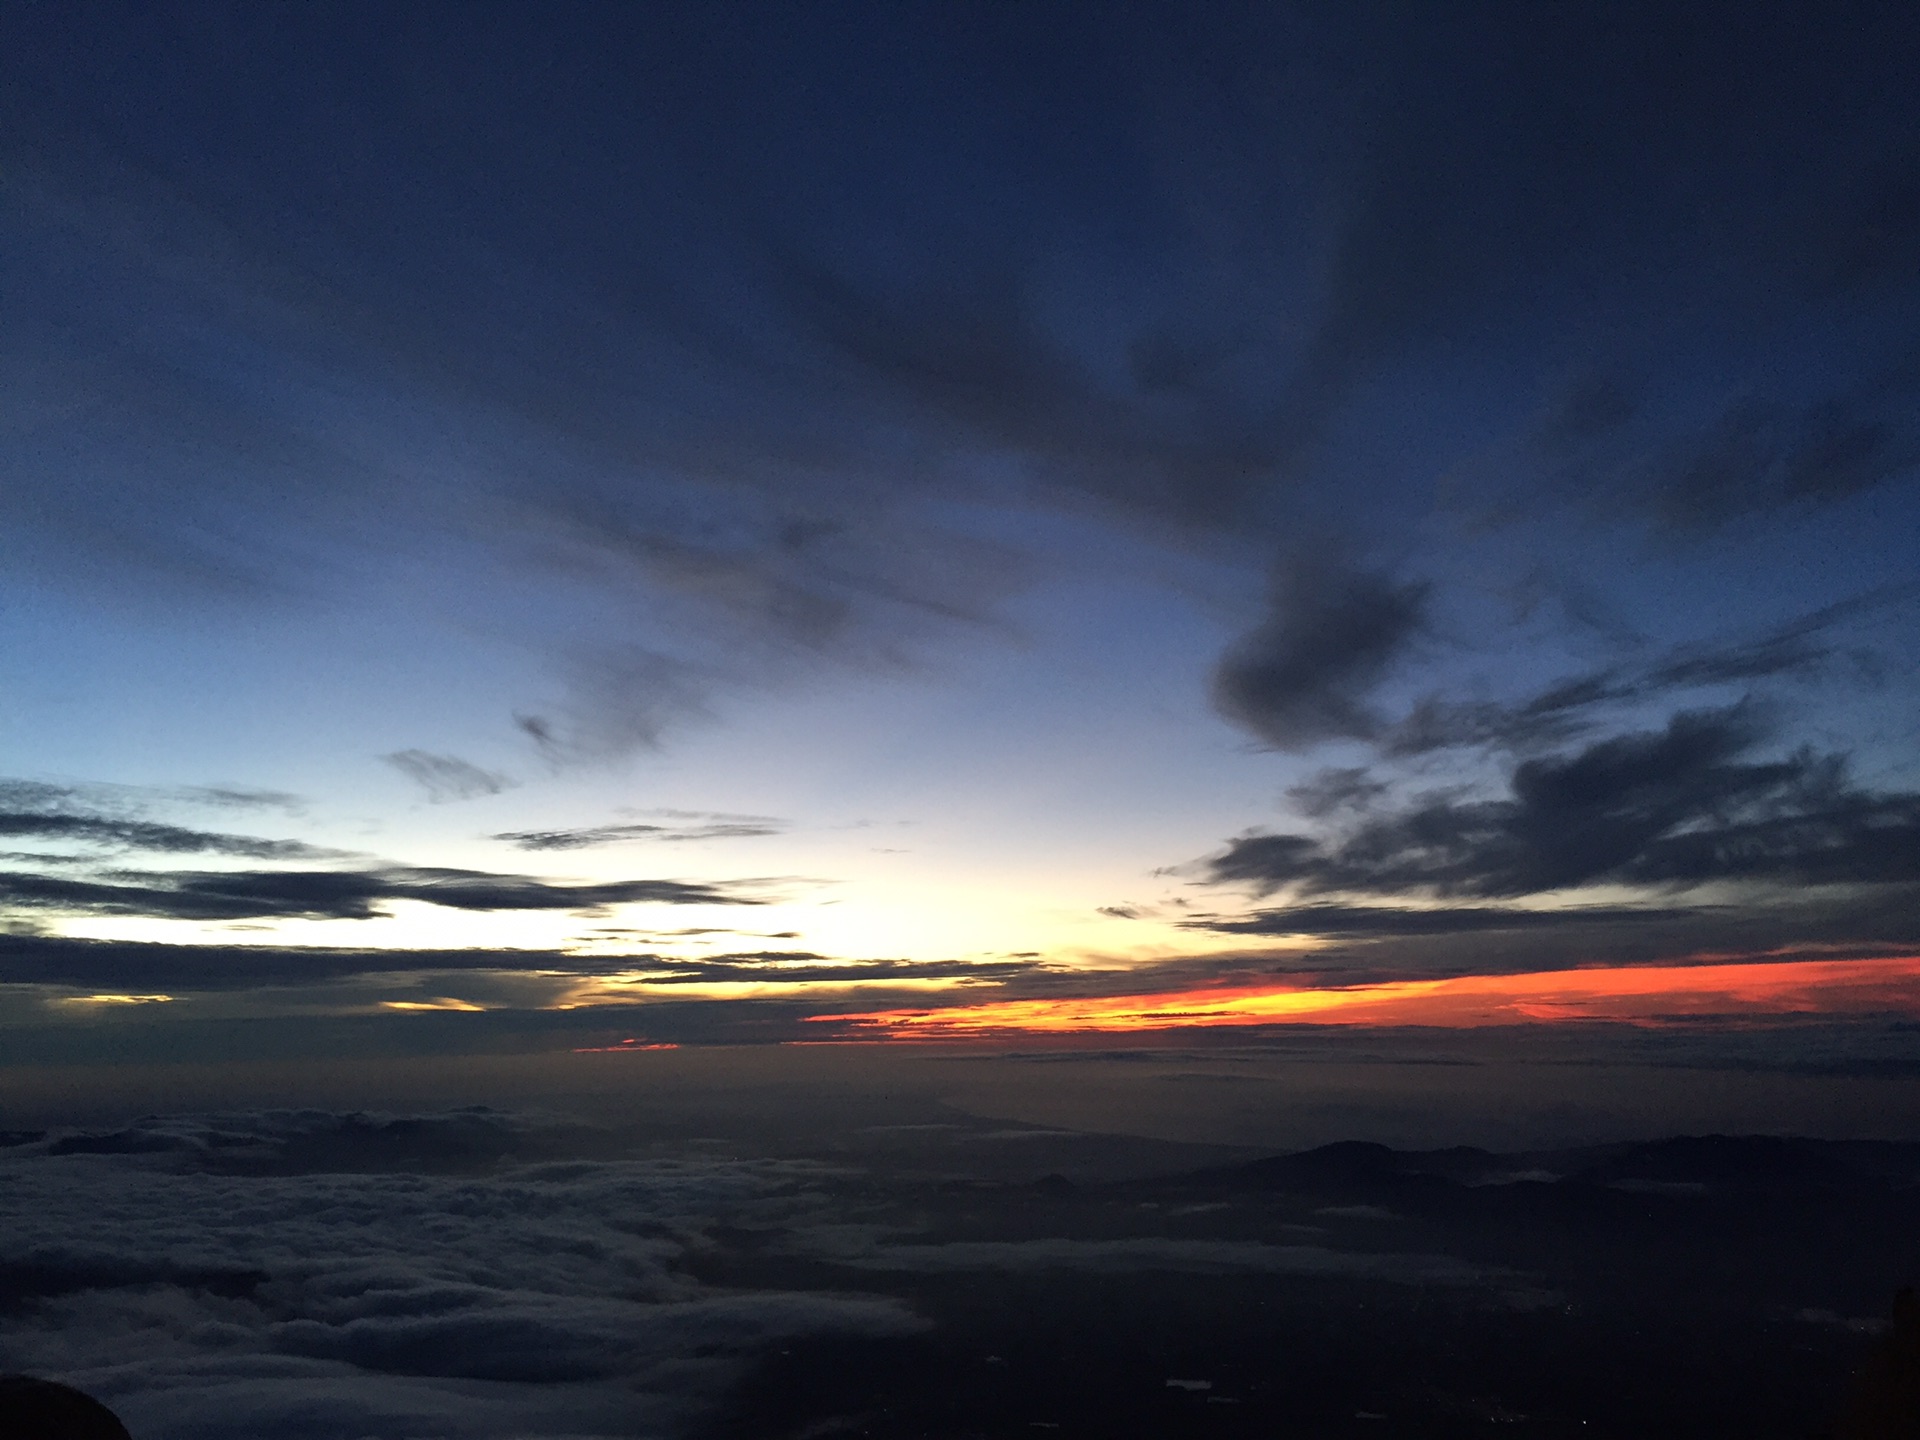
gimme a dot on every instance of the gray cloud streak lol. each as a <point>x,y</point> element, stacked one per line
<point>590,836</point>
<point>108,966</point>
<point>446,778</point>
<point>1809,648</point>
<point>152,836</point>
<point>342,894</point>
<point>1678,807</point>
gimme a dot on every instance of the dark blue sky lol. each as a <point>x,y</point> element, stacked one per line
<point>801,504</point>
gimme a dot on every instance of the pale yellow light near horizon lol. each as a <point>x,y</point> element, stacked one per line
<point>915,923</point>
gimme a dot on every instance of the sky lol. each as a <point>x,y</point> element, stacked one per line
<point>604,526</point>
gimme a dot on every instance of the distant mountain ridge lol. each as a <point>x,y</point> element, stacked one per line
<point>1738,1161</point>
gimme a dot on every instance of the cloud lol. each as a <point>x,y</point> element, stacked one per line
<point>1372,920</point>
<point>1674,808</point>
<point>447,777</point>
<point>112,817</point>
<point>127,967</point>
<point>307,1291</point>
<point>151,836</point>
<point>969,354</point>
<point>108,966</point>
<point>102,818</point>
<point>33,811</point>
<point>1778,448</point>
<point>618,699</point>
<point>778,967</point>
<point>1496,174</point>
<point>737,828</point>
<point>1380,940</point>
<point>1762,455</point>
<point>746,428</point>
<point>1805,649</point>
<point>342,894</point>
<point>1302,676</point>
<point>1595,405</point>
<point>1329,792</point>
<point>238,797</point>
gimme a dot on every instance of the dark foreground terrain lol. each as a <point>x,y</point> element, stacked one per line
<point>1697,1287</point>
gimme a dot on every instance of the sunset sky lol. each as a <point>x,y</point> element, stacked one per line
<point>705,524</point>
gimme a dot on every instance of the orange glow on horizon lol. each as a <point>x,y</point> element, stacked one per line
<point>1637,994</point>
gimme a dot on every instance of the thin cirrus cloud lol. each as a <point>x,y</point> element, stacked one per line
<point>40,795</point>
<point>1812,649</point>
<point>719,827</point>
<point>84,823</point>
<point>447,778</point>
<point>97,831</point>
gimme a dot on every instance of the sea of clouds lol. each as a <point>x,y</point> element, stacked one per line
<point>187,1272</point>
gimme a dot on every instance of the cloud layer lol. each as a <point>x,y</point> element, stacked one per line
<point>148,1268</point>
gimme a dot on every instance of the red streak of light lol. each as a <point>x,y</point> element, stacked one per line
<point>1637,994</point>
<point>630,1043</point>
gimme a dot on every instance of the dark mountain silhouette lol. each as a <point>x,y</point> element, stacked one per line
<point>1361,1162</point>
<point>1767,1160</point>
<point>33,1409</point>
<point>1885,1399</point>
<point>1739,1161</point>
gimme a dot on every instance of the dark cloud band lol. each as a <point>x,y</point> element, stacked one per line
<point>341,894</point>
<point>1678,807</point>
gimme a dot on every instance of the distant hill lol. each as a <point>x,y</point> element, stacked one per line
<point>1711,1161</point>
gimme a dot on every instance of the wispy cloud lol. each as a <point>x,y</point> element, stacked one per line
<point>1678,807</point>
<point>586,837</point>
<point>1343,921</point>
<point>345,894</point>
<point>152,836</point>
<point>100,819</point>
<point>752,418</point>
<point>446,778</point>
<point>1809,648</point>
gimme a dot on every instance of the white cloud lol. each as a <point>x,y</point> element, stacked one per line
<point>350,1304</point>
